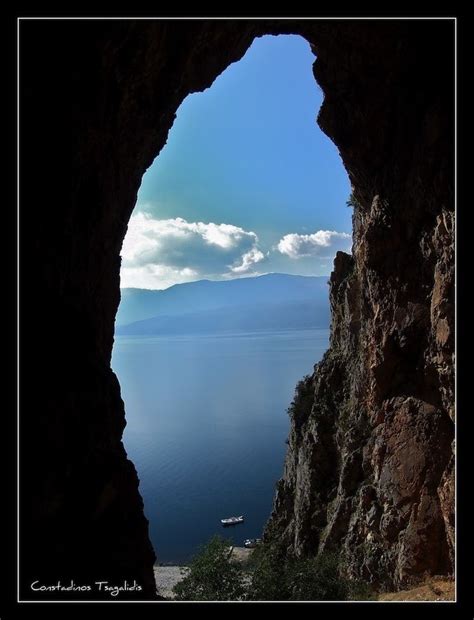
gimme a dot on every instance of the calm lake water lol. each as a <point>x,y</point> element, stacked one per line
<point>206,428</point>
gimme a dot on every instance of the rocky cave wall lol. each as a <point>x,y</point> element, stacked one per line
<point>369,464</point>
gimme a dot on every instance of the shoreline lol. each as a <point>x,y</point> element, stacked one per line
<point>168,575</point>
<point>433,589</point>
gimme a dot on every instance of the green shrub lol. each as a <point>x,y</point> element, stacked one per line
<point>211,576</point>
<point>277,577</point>
<point>269,574</point>
<point>317,579</point>
<point>360,591</point>
<point>300,407</point>
<point>352,201</point>
<point>268,580</point>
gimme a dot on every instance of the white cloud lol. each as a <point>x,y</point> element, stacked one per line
<point>155,276</point>
<point>322,243</point>
<point>157,253</point>
<point>249,259</point>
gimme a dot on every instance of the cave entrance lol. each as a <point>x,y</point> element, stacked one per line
<point>224,294</point>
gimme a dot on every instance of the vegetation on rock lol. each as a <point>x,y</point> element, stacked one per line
<point>270,574</point>
<point>211,576</point>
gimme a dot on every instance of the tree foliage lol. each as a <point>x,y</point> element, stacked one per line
<point>268,569</point>
<point>352,201</point>
<point>211,577</point>
<point>317,579</point>
<point>270,574</point>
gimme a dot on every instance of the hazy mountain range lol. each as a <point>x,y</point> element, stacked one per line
<point>273,301</point>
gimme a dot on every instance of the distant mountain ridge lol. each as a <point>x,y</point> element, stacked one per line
<point>272,301</point>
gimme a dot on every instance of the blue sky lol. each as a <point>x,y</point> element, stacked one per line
<point>247,182</point>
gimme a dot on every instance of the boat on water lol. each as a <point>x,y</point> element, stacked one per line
<point>232,520</point>
<point>250,543</point>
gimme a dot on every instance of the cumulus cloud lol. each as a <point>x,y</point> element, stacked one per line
<point>155,276</point>
<point>249,259</point>
<point>322,243</point>
<point>157,252</point>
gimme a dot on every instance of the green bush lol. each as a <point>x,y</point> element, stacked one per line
<point>211,576</point>
<point>352,201</point>
<point>268,580</point>
<point>300,407</point>
<point>317,579</point>
<point>277,577</point>
<point>270,574</point>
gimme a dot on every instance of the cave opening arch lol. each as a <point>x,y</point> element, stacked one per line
<point>246,192</point>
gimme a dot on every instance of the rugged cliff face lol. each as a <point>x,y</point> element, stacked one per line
<point>370,458</point>
<point>369,468</point>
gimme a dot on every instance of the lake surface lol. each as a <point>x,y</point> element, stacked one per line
<point>206,428</point>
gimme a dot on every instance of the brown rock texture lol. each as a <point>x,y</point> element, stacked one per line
<point>369,467</point>
<point>370,462</point>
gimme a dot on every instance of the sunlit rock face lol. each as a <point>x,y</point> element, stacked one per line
<point>369,468</point>
<point>370,460</point>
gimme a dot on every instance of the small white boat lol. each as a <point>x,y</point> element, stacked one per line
<point>232,520</point>
<point>250,543</point>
